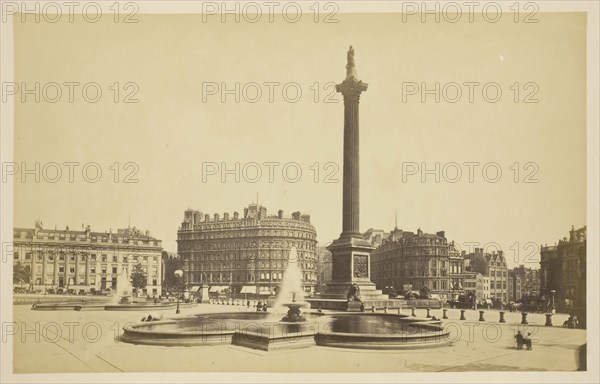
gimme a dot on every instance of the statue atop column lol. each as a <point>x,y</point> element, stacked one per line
<point>350,66</point>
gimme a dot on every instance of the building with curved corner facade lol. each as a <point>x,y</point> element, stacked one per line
<point>247,254</point>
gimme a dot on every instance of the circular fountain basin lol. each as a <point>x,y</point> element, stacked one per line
<point>380,331</point>
<point>138,306</point>
<point>60,306</point>
<point>205,329</point>
<point>366,331</point>
<point>82,306</point>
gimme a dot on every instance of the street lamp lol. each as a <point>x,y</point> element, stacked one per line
<point>552,292</point>
<point>178,275</point>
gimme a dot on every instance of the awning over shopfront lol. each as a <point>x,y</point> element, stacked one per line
<point>194,288</point>
<point>248,289</point>
<point>217,288</point>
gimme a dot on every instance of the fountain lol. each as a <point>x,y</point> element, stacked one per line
<point>293,314</point>
<point>124,289</point>
<point>288,327</point>
<point>291,292</point>
<point>293,330</point>
<point>120,301</point>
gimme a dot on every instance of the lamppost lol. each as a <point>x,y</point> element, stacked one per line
<point>552,292</point>
<point>178,275</point>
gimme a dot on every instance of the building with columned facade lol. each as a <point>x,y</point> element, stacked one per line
<point>82,261</point>
<point>247,253</point>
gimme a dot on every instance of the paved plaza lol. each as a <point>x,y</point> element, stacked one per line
<point>87,341</point>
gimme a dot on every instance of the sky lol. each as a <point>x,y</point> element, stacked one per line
<point>186,127</point>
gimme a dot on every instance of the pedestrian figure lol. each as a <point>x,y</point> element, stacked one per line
<point>519,339</point>
<point>264,308</point>
<point>527,341</point>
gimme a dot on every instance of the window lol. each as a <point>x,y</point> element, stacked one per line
<point>71,269</point>
<point>154,271</point>
<point>72,258</point>
<point>61,257</point>
<point>28,256</point>
<point>115,259</point>
<point>82,258</point>
<point>104,269</point>
<point>114,269</point>
<point>154,282</point>
<point>93,257</point>
<point>104,258</point>
<point>92,269</point>
<point>124,259</point>
<point>61,269</point>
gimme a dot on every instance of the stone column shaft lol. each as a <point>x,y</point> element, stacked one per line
<point>350,226</point>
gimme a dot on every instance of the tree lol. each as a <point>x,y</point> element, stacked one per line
<point>21,273</point>
<point>171,265</point>
<point>139,279</point>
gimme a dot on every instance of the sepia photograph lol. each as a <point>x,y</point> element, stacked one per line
<point>296,191</point>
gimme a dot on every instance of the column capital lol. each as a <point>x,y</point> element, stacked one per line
<point>351,88</point>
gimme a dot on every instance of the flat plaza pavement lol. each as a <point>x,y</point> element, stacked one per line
<point>79,342</point>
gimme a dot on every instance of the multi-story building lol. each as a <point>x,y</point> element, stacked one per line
<point>470,284</point>
<point>324,267</point>
<point>483,285</point>
<point>514,286</point>
<point>492,265</point>
<point>247,254</point>
<point>85,261</point>
<point>376,236</point>
<point>457,276</point>
<point>409,261</point>
<point>563,270</point>
<point>527,281</point>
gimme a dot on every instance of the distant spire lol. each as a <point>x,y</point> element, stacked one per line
<point>396,220</point>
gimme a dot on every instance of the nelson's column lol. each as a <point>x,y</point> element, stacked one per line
<point>350,253</point>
